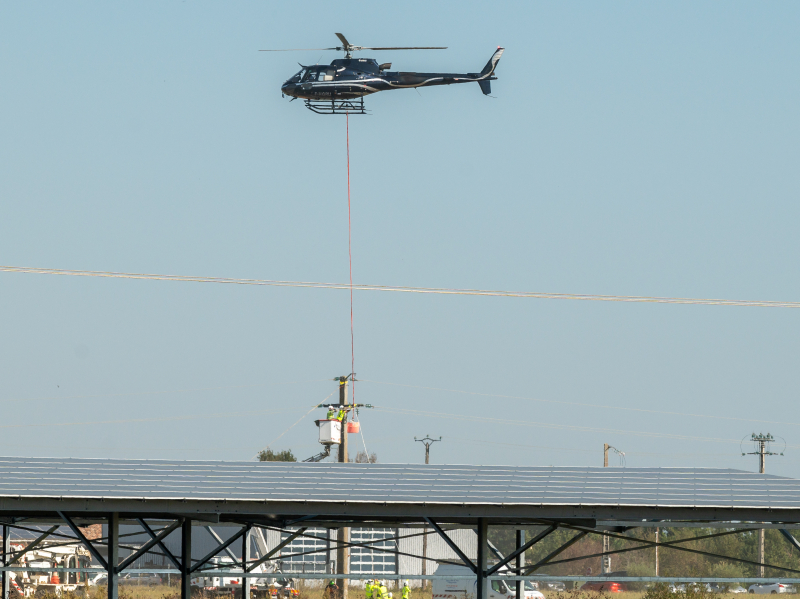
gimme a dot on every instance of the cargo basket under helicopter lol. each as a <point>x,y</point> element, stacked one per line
<point>337,106</point>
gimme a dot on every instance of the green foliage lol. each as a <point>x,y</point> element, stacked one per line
<point>267,455</point>
<point>672,561</point>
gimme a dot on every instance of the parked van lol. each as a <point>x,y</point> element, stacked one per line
<point>465,588</point>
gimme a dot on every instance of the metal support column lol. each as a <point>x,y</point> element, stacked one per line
<point>186,559</point>
<point>113,556</point>
<point>520,564</point>
<point>6,552</point>
<point>397,558</point>
<point>482,586</point>
<point>245,560</point>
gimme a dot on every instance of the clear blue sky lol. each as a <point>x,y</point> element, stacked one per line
<point>632,148</point>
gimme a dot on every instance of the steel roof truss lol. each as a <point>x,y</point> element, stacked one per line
<point>507,560</point>
<point>280,546</point>
<point>224,545</point>
<point>82,538</point>
<point>161,545</point>
<point>31,546</point>
<point>453,545</point>
<point>147,546</point>
<point>563,547</point>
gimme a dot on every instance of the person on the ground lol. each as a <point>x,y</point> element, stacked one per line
<point>406,591</point>
<point>331,591</point>
<point>368,589</point>
<point>383,592</point>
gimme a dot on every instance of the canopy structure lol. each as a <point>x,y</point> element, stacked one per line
<point>163,496</point>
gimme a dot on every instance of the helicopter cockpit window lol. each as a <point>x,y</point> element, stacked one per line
<point>309,75</point>
<point>298,77</point>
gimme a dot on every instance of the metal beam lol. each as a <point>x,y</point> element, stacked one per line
<point>186,558</point>
<point>454,547</point>
<point>563,547</point>
<point>166,551</point>
<point>84,540</point>
<point>245,558</point>
<point>520,538</point>
<point>280,546</point>
<point>224,545</point>
<point>113,556</point>
<point>13,558</point>
<point>146,547</point>
<point>5,579</point>
<point>788,536</point>
<point>522,549</point>
<point>482,583</point>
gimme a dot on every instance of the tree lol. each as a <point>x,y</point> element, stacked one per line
<point>267,455</point>
<point>363,458</point>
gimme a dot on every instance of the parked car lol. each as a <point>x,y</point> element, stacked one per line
<point>768,589</point>
<point>716,587</point>
<point>610,585</point>
<point>142,579</point>
<point>559,587</point>
<point>457,588</point>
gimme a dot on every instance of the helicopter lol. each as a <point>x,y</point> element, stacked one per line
<point>340,87</point>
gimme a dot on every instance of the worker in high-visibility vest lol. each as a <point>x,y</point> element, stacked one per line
<point>368,589</point>
<point>331,413</point>
<point>340,415</point>
<point>383,592</point>
<point>406,591</point>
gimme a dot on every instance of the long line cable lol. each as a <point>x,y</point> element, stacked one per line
<point>350,259</point>
<point>402,289</point>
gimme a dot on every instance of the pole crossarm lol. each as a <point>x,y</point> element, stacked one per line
<point>563,547</point>
<point>13,558</point>
<point>276,549</point>
<point>789,537</point>
<point>156,540</point>
<point>223,546</point>
<point>452,544</point>
<point>522,549</point>
<point>161,545</point>
<point>84,540</point>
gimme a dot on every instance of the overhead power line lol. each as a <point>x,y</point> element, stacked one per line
<point>402,289</point>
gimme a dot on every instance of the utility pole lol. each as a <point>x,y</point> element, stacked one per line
<point>658,540</point>
<point>342,551</point>
<point>606,563</point>
<point>428,442</point>
<point>762,442</point>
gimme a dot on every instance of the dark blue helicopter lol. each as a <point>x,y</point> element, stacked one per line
<point>340,87</point>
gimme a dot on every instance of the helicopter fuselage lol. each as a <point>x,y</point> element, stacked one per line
<point>349,78</point>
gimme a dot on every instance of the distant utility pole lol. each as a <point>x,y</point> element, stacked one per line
<point>606,564</point>
<point>762,443</point>
<point>428,442</point>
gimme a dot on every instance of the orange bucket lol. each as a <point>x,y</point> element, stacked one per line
<point>353,427</point>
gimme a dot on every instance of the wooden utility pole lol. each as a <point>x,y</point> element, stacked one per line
<point>605,565</point>
<point>342,551</point>
<point>658,540</point>
<point>428,442</point>
<point>762,452</point>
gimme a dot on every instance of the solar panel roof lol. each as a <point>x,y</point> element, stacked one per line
<point>321,483</point>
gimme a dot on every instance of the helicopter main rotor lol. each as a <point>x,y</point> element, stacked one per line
<point>349,48</point>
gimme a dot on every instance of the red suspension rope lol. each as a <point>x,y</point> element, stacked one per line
<point>350,257</point>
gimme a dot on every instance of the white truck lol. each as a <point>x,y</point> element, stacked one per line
<point>465,588</point>
<point>30,583</point>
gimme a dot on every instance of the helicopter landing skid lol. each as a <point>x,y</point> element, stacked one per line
<point>336,106</point>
